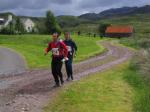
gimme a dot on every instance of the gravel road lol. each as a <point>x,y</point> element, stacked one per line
<point>11,62</point>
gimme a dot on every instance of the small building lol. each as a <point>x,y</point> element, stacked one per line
<point>119,31</point>
<point>2,21</point>
<point>29,25</point>
<point>5,22</point>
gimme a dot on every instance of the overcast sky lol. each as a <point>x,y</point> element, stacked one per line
<point>64,7</point>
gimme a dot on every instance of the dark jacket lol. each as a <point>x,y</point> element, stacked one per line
<point>72,47</point>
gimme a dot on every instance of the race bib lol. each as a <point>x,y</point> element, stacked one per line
<point>55,51</point>
<point>69,48</point>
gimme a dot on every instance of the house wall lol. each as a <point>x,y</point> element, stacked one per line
<point>29,25</point>
<point>1,27</point>
<point>118,34</point>
<point>10,18</point>
<point>5,23</point>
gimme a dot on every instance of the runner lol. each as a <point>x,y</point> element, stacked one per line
<point>72,48</point>
<point>59,50</point>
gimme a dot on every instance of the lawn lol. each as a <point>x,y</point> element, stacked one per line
<point>117,90</point>
<point>102,92</point>
<point>32,48</point>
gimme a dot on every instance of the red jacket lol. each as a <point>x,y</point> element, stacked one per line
<point>58,49</point>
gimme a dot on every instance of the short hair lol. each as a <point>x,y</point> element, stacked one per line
<point>56,34</point>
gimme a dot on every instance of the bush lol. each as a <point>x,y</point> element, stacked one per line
<point>144,43</point>
<point>4,31</point>
<point>132,42</point>
<point>141,63</point>
<point>7,31</point>
<point>136,42</point>
<point>102,28</point>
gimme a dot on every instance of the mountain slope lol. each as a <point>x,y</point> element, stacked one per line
<point>116,12</point>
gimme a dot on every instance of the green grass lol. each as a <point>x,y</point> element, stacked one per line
<point>141,99</point>
<point>102,92</point>
<point>120,89</point>
<point>32,48</point>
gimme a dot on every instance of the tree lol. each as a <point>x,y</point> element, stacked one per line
<point>79,33</point>
<point>11,28</point>
<point>51,23</point>
<point>8,29</point>
<point>5,30</point>
<point>19,27</point>
<point>102,28</point>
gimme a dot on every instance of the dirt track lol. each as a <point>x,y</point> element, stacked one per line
<point>32,90</point>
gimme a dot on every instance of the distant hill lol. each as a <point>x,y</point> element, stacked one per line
<point>68,21</point>
<point>89,16</point>
<point>142,10</point>
<point>71,21</point>
<point>116,12</point>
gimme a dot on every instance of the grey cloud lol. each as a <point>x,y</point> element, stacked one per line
<point>61,1</point>
<point>30,4</point>
<point>109,3</point>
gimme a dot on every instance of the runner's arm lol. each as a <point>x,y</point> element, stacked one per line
<point>75,48</point>
<point>48,49</point>
<point>65,49</point>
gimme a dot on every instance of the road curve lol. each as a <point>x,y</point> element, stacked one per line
<point>33,89</point>
<point>11,62</point>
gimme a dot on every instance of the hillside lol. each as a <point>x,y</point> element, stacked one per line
<point>89,16</point>
<point>124,11</point>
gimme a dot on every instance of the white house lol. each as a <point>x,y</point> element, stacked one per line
<point>29,25</point>
<point>1,22</point>
<point>5,22</point>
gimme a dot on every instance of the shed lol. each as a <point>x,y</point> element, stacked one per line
<point>119,31</point>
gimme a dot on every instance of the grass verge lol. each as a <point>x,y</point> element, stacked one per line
<point>141,97</point>
<point>120,89</point>
<point>102,92</point>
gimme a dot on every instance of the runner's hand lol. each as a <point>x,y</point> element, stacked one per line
<point>66,59</point>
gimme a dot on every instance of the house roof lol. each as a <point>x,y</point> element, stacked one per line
<point>1,19</point>
<point>119,29</point>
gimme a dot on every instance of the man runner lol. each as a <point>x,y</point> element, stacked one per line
<point>59,51</point>
<point>72,48</point>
